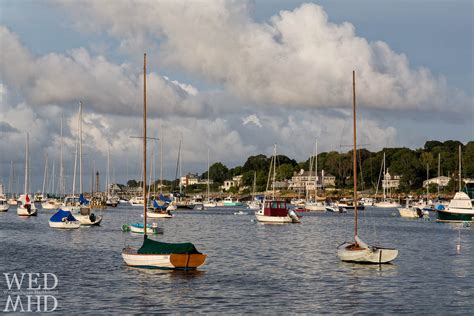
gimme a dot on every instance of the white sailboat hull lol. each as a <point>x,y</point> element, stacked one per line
<point>162,261</point>
<point>22,211</point>
<point>210,204</point>
<point>85,220</point>
<point>147,261</point>
<point>158,215</point>
<point>50,205</point>
<point>4,206</point>
<point>386,204</point>
<point>366,254</point>
<point>150,230</point>
<point>71,208</point>
<point>65,224</point>
<point>412,212</point>
<point>315,207</point>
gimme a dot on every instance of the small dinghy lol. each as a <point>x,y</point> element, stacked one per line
<point>138,228</point>
<point>240,213</point>
<point>160,255</point>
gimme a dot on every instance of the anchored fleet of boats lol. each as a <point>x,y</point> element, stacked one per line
<point>76,211</point>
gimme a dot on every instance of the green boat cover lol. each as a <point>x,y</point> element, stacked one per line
<point>161,248</point>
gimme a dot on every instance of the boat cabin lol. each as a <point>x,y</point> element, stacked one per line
<point>275,208</point>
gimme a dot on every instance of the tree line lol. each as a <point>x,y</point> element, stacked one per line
<point>412,165</point>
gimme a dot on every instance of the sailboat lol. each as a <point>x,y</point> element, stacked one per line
<point>315,205</point>
<point>4,206</point>
<point>48,203</point>
<point>84,215</point>
<point>274,210</point>
<point>208,203</point>
<point>155,254</point>
<point>157,208</point>
<point>460,208</point>
<point>112,201</point>
<point>254,204</point>
<point>357,250</point>
<point>26,207</point>
<point>386,203</point>
<point>12,201</point>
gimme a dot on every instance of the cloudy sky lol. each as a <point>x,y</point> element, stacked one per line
<point>234,76</point>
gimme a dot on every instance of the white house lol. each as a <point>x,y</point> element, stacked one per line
<point>441,181</point>
<point>390,182</point>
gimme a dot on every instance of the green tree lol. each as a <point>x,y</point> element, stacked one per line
<point>285,171</point>
<point>132,183</point>
<point>218,172</point>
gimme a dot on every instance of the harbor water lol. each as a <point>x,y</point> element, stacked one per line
<point>251,267</point>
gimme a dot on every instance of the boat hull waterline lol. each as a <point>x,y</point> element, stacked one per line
<point>365,254</point>
<point>162,261</point>
<point>65,224</point>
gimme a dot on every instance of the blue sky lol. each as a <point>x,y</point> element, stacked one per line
<point>223,86</point>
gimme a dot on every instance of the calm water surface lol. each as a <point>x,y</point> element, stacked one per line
<point>251,268</point>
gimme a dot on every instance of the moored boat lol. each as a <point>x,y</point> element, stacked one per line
<point>50,204</point>
<point>160,255</point>
<point>274,210</point>
<point>155,254</point>
<point>230,201</point>
<point>358,251</point>
<point>461,207</point>
<point>63,220</point>
<point>26,207</point>
<point>4,206</point>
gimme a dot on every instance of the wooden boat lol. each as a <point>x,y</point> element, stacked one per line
<point>160,255</point>
<point>155,254</point>
<point>357,250</point>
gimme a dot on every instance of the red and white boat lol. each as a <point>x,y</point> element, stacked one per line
<point>274,210</point>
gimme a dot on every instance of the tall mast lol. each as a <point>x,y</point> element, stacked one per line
<point>26,162</point>
<point>460,178</point>
<point>274,171</point>
<point>161,159</point>
<point>439,168</point>
<point>207,174</point>
<point>354,153</point>
<point>427,183</point>
<point>316,171</point>
<point>10,180</point>
<point>45,172</point>
<point>144,145</point>
<point>92,178</point>
<point>80,148</point>
<point>307,195</point>
<point>384,181</point>
<point>52,178</point>
<point>75,171</point>
<point>254,183</point>
<point>180,166</point>
<point>61,167</point>
<point>107,184</point>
